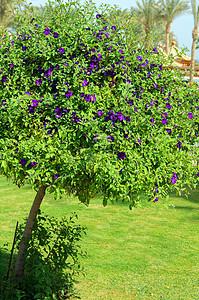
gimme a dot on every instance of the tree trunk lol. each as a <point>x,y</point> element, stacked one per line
<point>168,28</point>
<point>19,265</point>
<point>193,49</point>
<point>147,32</point>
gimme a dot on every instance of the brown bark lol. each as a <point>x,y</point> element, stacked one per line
<point>193,49</point>
<point>19,265</point>
<point>168,28</point>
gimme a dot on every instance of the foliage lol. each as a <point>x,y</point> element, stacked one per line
<point>8,9</point>
<point>153,16</point>
<point>148,14</point>
<point>195,12</point>
<point>84,112</point>
<point>170,9</point>
<point>52,259</point>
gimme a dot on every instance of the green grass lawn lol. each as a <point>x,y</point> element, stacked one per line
<point>149,253</point>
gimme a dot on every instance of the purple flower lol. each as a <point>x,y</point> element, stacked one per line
<point>95,137</point>
<point>27,93</point>
<point>61,50</point>
<point>68,94</point>
<point>48,73</point>
<point>37,25</point>
<point>73,114</point>
<point>24,48</point>
<point>55,35</point>
<point>120,116</point>
<point>110,139</point>
<point>113,27</point>
<point>81,95</point>
<point>121,170</point>
<point>155,86</point>
<point>57,175</point>
<point>98,16</point>
<point>156,199</point>
<point>4,78</point>
<point>190,115</point>
<point>138,142</point>
<point>38,81</point>
<point>34,102</point>
<point>100,113</point>
<point>164,121</point>
<point>94,98</point>
<point>173,179</point>
<point>47,31</point>
<point>99,56</point>
<point>179,144</point>
<point>23,162</point>
<point>58,112</point>
<point>156,190</point>
<point>84,83</point>
<point>16,150</point>
<point>33,163</point>
<point>152,120</point>
<point>32,20</point>
<point>168,105</point>
<point>139,58</point>
<point>3,102</point>
<point>121,155</point>
<point>31,109</point>
<point>88,98</point>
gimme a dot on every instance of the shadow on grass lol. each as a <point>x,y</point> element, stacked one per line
<point>186,207</point>
<point>192,196</point>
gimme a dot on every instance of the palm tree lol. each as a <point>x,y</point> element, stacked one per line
<point>147,13</point>
<point>8,10</point>
<point>170,9</point>
<point>5,14</point>
<point>195,12</point>
<point>127,24</point>
<point>158,34</point>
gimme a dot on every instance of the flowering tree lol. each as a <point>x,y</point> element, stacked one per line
<point>83,112</point>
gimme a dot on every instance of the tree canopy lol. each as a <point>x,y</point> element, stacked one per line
<point>83,112</point>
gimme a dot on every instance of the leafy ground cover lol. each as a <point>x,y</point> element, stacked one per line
<point>148,253</point>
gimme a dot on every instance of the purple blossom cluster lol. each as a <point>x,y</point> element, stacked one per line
<point>115,116</point>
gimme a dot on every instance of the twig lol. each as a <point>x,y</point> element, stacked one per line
<point>11,254</point>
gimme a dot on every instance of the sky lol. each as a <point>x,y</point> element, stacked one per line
<point>182,26</point>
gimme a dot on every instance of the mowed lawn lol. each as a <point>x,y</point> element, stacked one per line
<point>151,252</point>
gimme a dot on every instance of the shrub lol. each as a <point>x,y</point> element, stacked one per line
<point>52,260</point>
